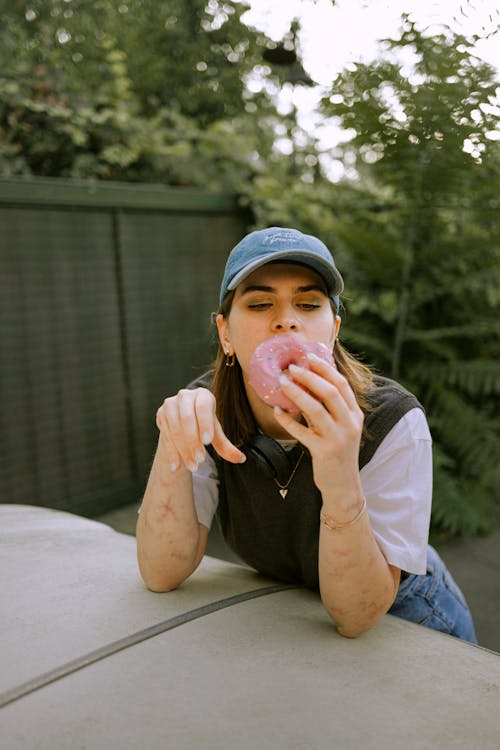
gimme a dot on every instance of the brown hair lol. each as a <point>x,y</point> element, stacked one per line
<point>232,406</point>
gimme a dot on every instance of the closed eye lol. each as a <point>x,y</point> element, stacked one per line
<point>301,305</point>
<point>259,305</point>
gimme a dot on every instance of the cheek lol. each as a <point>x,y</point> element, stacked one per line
<point>329,329</point>
<point>244,347</point>
<point>245,338</point>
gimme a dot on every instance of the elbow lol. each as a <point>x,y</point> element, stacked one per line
<point>160,582</point>
<point>162,573</point>
<point>160,585</point>
<point>159,589</point>
<point>355,624</point>
<point>351,631</point>
<point>167,577</point>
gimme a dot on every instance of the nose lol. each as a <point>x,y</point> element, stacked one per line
<point>285,320</point>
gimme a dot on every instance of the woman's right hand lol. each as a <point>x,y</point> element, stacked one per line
<point>187,423</point>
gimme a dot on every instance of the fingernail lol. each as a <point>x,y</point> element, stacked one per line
<point>192,466</point>
<point>284,380</point>
<point>294,368</point>
<point>242,460</point>
<point>206,438</point>
<point>200,456</point>
<point>314,357</point>
<point>173,467</point>
<point>278,410</point>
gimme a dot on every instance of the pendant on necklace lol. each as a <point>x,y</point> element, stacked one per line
<point>283,488</point>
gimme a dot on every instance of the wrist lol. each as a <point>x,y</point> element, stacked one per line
<point>337,523</point>
<point>343,499</point>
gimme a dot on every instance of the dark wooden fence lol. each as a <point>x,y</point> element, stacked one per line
<point>106,292</point>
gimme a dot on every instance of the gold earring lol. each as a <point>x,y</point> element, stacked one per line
<point>230,359</point>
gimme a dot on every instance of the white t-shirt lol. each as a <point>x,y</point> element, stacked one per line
<point>397,484</point>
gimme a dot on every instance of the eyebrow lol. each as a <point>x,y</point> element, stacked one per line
<point>272,290</point>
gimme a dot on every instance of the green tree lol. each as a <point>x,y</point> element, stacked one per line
<point>415,227</point>
<point>139,90</point>
<point>157,92</point>
<point>420,247</point>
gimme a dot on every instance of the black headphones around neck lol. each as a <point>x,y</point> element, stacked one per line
<point>270,457</point>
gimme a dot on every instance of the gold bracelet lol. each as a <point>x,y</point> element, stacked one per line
<point>333,525</point>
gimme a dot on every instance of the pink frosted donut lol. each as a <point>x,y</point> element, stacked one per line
<point>272,358</point>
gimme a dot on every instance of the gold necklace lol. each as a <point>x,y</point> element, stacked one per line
<point>283,488</point>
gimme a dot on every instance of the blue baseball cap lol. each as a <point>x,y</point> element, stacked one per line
<point>280,243</point>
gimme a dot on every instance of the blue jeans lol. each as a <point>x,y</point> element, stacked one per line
<point>434,600</point>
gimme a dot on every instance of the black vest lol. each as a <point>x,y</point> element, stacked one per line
<point>279,537</point>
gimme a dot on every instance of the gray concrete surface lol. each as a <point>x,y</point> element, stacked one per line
<point>474,563</point>
<point>91,659</point>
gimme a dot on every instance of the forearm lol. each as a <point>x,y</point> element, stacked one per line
<point>357,585</point>
<point>168,532</point>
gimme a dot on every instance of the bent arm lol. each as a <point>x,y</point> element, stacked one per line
<point>170,540</point>
<point>357,584</point>
<point>399,487</point>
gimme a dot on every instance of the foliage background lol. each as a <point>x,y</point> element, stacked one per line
<point>159,92</point>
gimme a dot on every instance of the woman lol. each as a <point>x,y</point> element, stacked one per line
<point>336,498</point>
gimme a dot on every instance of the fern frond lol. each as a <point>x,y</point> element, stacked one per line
<point>464,285</point>
<point>372,347</point>
<point>477,377</point>
<point>468,433</point>
<point>457,508</point>
<point>477,329</point>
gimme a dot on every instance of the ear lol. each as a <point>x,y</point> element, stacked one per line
<point>338,321</point>
<point>223,330</point>
<point>336,329</point>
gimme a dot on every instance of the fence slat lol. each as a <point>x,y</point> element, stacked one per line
<point>102,314</point>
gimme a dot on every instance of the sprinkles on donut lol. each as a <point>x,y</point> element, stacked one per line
<point>273,357</point>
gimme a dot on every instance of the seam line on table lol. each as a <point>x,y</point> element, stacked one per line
<point>46,678</point>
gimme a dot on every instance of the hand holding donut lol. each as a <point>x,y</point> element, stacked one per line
<point>187,422</point>
<point>272,358</point>
<point>334,420</point>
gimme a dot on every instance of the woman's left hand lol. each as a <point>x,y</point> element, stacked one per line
<point>334,424</point>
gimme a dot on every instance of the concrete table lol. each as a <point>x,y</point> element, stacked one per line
<point>90,659</point>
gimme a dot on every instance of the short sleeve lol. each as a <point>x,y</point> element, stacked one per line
<point>206,490</point>
<point>397,483</point>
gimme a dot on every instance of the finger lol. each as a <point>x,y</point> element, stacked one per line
<point>205,415</point>
<point>183,428</point>
<point>211,430</point>
<point>326,412</point>
<point>319,421</point>
<point>331,373</point>
<point>297,430</point>
<point>172,455</point>
<point>225,448</point>
<point>313,395</point>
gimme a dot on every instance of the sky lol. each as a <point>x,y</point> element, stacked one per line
<point>332,36</point>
